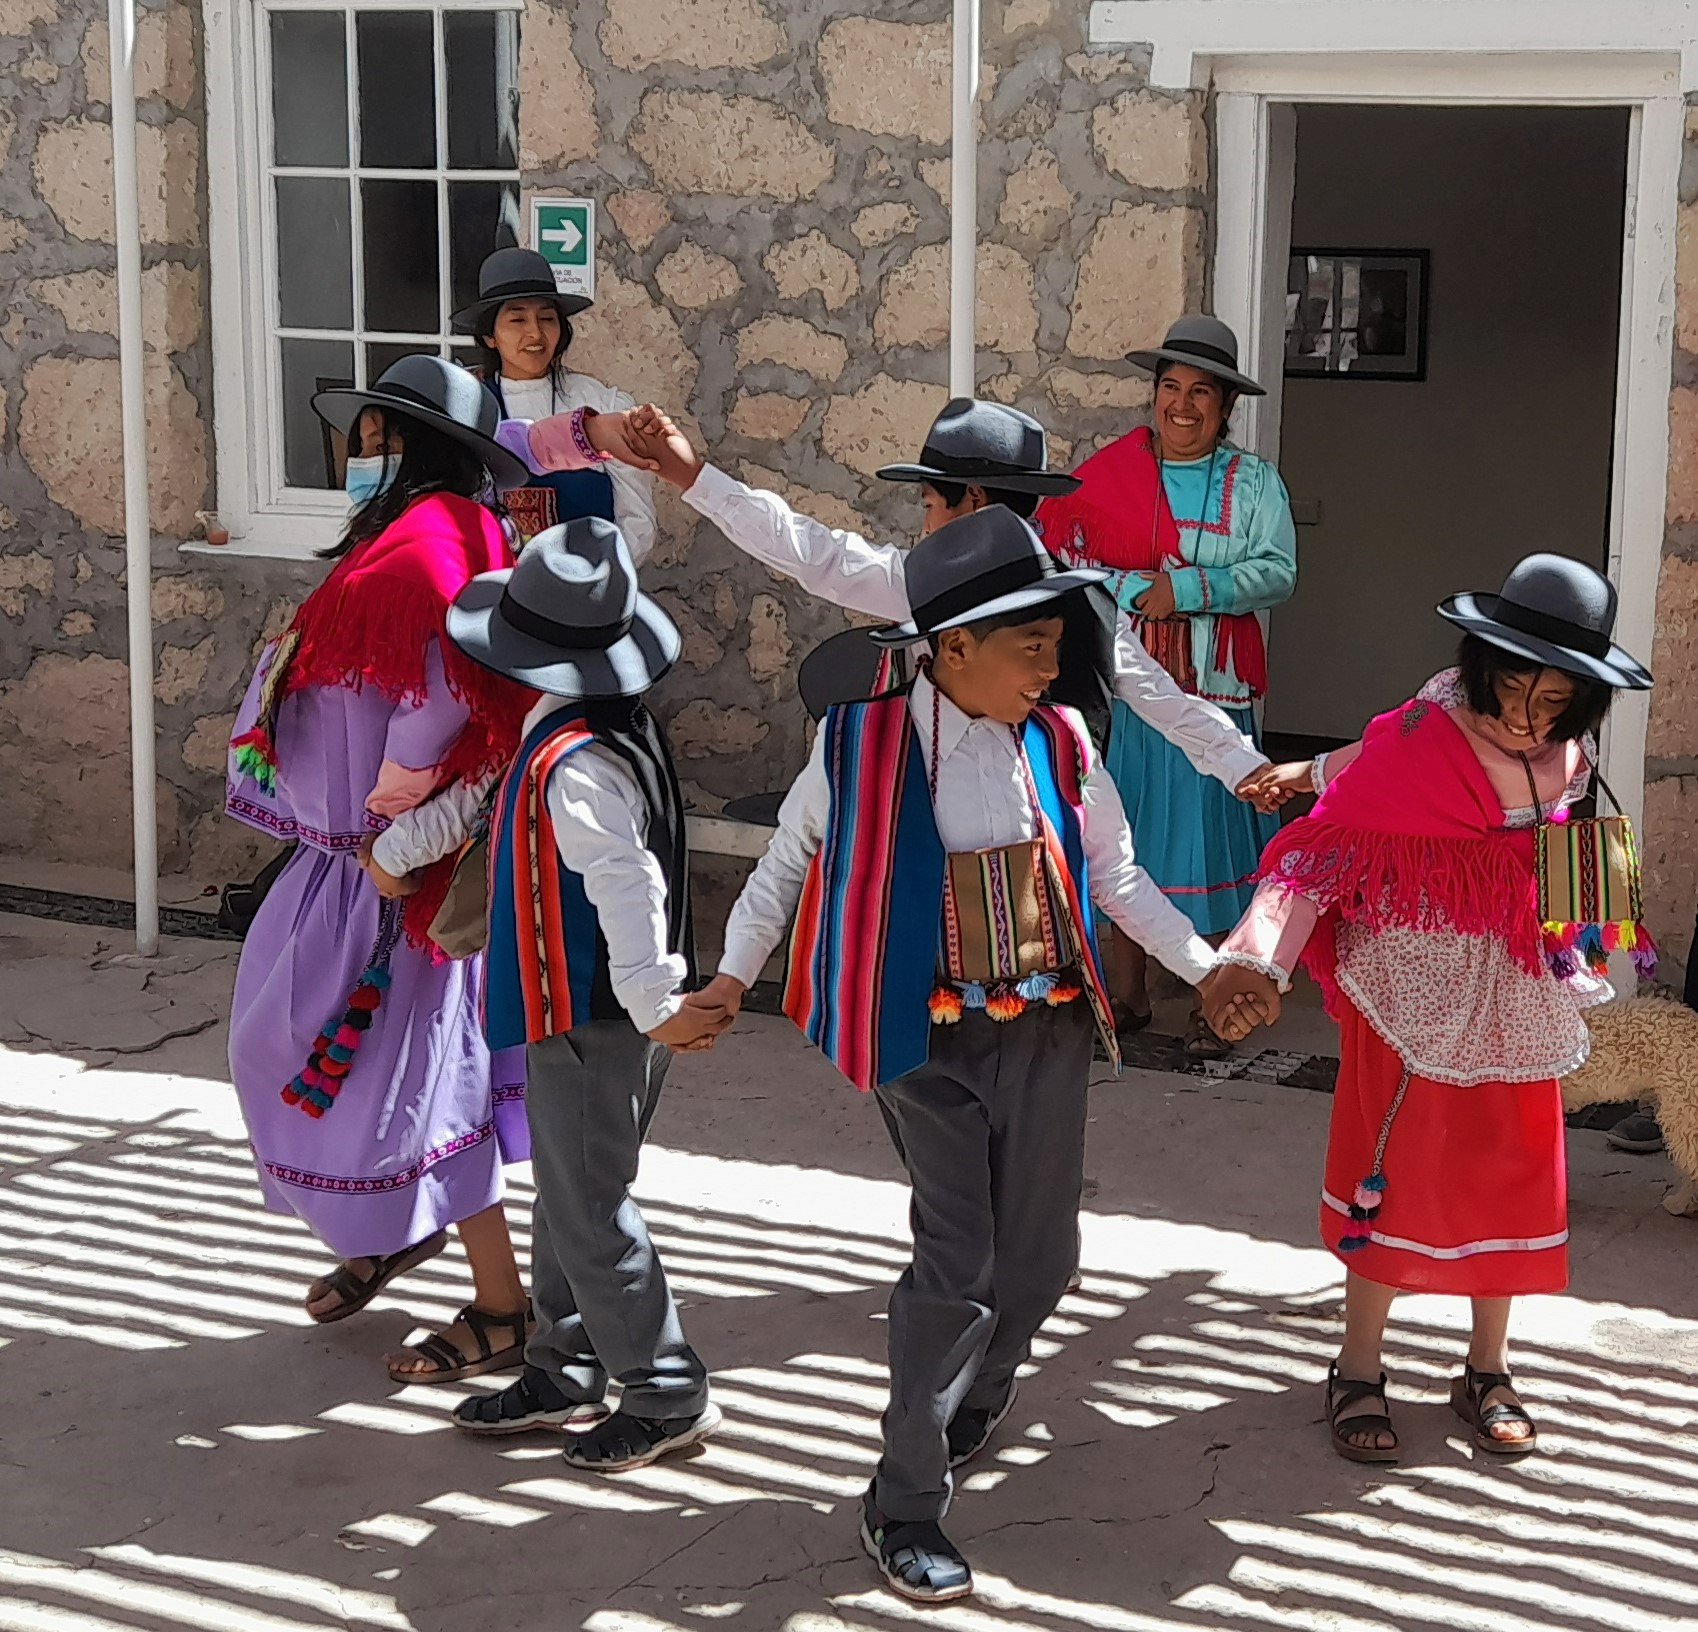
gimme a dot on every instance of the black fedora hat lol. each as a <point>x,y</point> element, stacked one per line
<point>436,393</point>
<point>569,618</point>
<point>987,445</point>
<point>1557,612</point>
<point>979,566</point>
<point>1204,342</point>
<point>513,274</point>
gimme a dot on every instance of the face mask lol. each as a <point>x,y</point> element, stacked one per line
<point>366,478</point>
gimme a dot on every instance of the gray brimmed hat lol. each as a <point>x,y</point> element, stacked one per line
<point>437,393</point>
<point>513,274</point>
<point>569,618</point>
<point>980,565</point>
<point>1204,342</point>
<point>1557,612</point>
<point>985,444</point>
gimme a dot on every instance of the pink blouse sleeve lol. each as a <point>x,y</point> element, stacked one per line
<point>419,735</point>
<point>558,443</point>
<point>1270,937</point>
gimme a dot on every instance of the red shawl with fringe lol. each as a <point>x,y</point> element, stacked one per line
<point>1119,519</point>
<point>1410,836</point>
<point>370,624</point>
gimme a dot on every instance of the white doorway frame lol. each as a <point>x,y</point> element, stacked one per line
<point>1262,57</point>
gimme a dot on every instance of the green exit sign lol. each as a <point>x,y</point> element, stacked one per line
<point>563,233</point>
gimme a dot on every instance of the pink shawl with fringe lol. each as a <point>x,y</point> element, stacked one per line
<point>1410,835</point>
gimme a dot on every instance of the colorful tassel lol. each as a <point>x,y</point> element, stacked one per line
<point>1063,992</point>
<point>318,1083</point>
<point>256,756</point>
<point>1003,1004</point>
<point>945,1005</point>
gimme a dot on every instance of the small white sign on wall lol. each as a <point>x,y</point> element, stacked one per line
<point>563,233</point>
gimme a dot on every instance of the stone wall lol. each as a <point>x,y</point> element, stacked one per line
<point>64,700</point>
<point>1671,764</point>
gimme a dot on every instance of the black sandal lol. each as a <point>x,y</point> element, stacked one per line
<point>624,1441</point>
<point>449,1365</point>
<point>1344,1392</point>
<point>356,1293</point>
<point>1205,1043</point>
<point>1467,1399</point>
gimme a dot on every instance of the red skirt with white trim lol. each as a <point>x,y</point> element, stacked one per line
<point>1476,1180</point>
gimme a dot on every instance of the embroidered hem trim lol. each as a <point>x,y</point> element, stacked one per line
<point>1001,999</point>
<point>1560,1067</point>
<point>286,827</point>
<point>1465,1249</point>
<point>303,1180</point>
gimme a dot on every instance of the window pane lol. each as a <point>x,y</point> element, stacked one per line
<point>481,50</point>
<point>397,90</point>
<point>315,281</point>
<point>312,453</point>
<point>380,358</point>
<point>309,87</point>
<point>482,216</point>
<point>401,293</point>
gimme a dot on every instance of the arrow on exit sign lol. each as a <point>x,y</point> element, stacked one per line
<point>563,233</point>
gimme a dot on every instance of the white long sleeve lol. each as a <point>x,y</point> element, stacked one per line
<point>601,831</point>
<point>431,830</point>
<point>848,570</point>
<point>982,803</point>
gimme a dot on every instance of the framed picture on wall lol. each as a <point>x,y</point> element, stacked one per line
<point>1353,314</point>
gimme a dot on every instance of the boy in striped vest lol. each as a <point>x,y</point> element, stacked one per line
<point>939,856</point>
<point>589,956</point>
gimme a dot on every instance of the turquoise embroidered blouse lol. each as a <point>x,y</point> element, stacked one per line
<point>1238,553</point>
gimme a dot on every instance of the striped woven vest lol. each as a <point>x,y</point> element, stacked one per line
<point>546,968</point>
<point>864,950</point>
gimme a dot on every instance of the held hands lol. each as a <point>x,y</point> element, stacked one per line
<point>656,438</point>
<point>610,435</point>
<point>1157,602</point>
<point>1236,1000</point>
<point>387,884</point>
<point>1275,786</point>
<point>703,1017</point>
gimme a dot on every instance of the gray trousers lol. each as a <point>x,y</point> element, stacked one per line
<point>992,1131</point>
<point>602,1304</point>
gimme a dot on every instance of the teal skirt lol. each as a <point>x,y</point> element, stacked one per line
<point>1190,834</point>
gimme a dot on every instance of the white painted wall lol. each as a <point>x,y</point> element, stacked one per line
<point>1430,488</point>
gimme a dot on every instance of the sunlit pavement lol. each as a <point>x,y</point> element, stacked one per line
<point>184,1449</point>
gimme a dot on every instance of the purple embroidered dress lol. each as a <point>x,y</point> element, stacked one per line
<point>416,1137</point>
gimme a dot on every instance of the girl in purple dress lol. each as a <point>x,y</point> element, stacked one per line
<point>376,1113</point>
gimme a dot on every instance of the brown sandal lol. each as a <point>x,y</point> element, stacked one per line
<point>449,1365</point>
<point>356,1293</point>
<point>1205,1043</point>
<point>1467,1399</point>
<point>1344,1392</point>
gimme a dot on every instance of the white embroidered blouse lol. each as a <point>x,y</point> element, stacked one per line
<point>1456,1008</point>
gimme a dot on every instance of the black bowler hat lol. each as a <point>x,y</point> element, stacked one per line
<point>436,393</point>
<point>1558,612</point>
<point>569,618</point>
<point>513,274</point>
<point>979,566</point>
<point>986,445</point>
<point>1200,342</point>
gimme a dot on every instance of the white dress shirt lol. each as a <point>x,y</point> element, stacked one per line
<point>601,830</point>
<point>847,570</point>
<point>633,490</point>
<point>982,803</point>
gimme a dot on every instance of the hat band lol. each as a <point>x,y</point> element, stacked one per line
<point>519,290</point>
<point>1558,631</point>
<point>988,586</point>
<point>1201,348</point>
<point>578,637</point>
<point>974,469</point>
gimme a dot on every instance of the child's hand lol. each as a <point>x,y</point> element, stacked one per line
<point>610,434</point>
<point>693,1027</point>
<point>390,886</point>
<point>722,992</point>
<point>1275,786</point>
<point>654,436</point>
<point>1236,1000</point>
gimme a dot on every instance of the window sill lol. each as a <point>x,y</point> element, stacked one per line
<point>251,549</point>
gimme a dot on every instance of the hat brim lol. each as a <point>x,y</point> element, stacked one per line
<point>1046,483</point>
<point>1034,595</point>
<point>341,409</point>
<point>477,318</point>
<point>627,668</point>
<point>1148,360</point>
<point>1476,615</point>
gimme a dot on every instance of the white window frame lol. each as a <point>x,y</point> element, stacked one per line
<point>265,516</point>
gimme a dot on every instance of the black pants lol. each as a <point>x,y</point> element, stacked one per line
<point>1691,993</point>
<point>992,1131</point>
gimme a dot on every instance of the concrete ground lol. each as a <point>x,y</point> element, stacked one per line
<point>183,1449</point>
